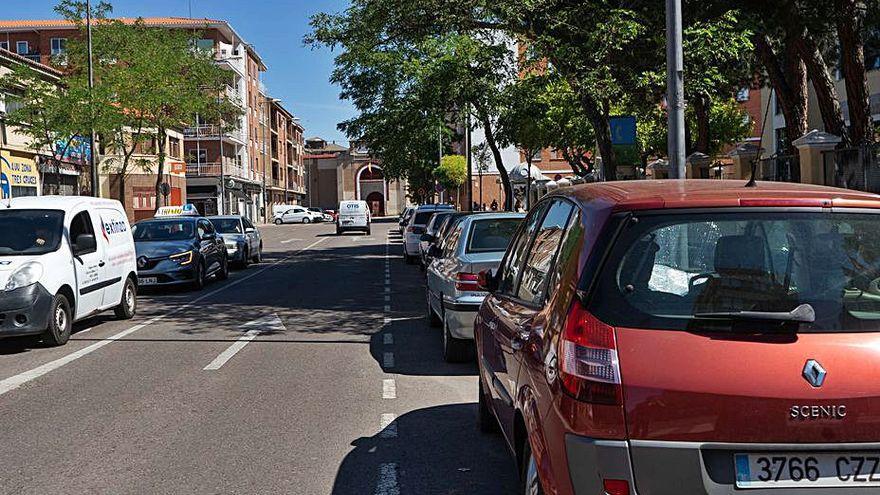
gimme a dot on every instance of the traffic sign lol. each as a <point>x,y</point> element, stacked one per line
<point>623,129</point>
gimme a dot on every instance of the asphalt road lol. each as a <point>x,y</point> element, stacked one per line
<point>312,373</point>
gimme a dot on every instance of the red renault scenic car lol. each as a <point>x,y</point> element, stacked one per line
<point>688,337</point>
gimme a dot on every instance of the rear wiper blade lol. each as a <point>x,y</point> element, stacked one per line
<point>801,314</point>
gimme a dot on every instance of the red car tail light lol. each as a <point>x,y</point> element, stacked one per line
<point>616,487</point>
<point>588,358</point>
<point>467,282</point>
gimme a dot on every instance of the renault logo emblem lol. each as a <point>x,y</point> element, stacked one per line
<point>814,373</point>
<point>142,262</point>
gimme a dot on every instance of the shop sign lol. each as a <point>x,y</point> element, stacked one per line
<point>17,172</point>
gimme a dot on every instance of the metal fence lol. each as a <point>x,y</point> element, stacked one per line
<point>778,168</point>
<point>853,168</point>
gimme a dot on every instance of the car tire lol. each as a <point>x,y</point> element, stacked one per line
<point>278,221</point>
<point>199,282</point>
<point>258,258</point>
<point>455,350</point>
<point>128,304</point>
<point>430,315</point>
<point>223,274</point>
<point>245,258</point>
<point>338,231</point>
<point>306,220</point>
<point>60,322</point>
<point>530,480</point>
<point>485,418</point>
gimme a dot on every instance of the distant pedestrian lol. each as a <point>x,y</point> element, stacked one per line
<point>517,206</point>
<point>494,205</point>
<point>483,208</point>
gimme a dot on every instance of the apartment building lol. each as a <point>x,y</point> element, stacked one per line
<point>224,163</point>
<point>284,172</point>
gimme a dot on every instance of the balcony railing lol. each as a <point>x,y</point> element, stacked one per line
<point>214,169</point>
<point>233,95</point>
<point>211,131</point>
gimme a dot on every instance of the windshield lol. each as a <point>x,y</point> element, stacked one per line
<point>30,232</point>
<point>491,235</point>
<point>165,230</point>
<point>227,225</point>
<point>437,222</point>
<point>422,217</point>
<point>667,268</point>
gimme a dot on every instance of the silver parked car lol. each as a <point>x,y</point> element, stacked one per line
<point>475,243</point>
<point>244,244</point>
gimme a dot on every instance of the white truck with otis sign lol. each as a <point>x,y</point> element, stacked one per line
<point>63,259</point>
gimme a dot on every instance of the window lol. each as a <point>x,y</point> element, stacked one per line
<point>512,264</point>
<point>487,236</point>
<point>58,45</point>
<point>174,147</point>
<point>21,47</point>
<point>667,270</point>
<point>81,225</point>
<point>536,272</point>
<point>571,246</point>
<point>4,45</point>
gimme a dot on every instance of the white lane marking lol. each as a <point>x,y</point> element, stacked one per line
<point>387,307</point>
<point>387,426</point>
<point>226,355</point>
<point>388,339</point>
<point>13,382</point>
<point>387,482</point>
<point>389,389</point>
<point>387,298</point>
<point>387,290</point>
<point>289,241</point>
<point>388,360</point>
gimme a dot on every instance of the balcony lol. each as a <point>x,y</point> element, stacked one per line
<point>234,96</point>
<point>275,182</point>
<point>210,131</point>
<point>215,169</point>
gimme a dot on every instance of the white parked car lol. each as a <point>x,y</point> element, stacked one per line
<point>62,259</point>
<point>416,226</point>
<point>298,214</point>
<point>473,244</point>
<point>353,215</point>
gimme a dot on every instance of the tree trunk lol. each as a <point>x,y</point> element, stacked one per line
<point>602,127</point>
<point>701,113</point>
<point>850,23</point>
<point>160,167</point>
<point>499,163</point>
<point>826,92</point>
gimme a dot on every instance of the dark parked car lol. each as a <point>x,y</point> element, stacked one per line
<point>179,250</point>
<point>688,337</point>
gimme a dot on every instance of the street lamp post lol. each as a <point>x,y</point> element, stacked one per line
<point>96,186</point>
<point>675,95</point>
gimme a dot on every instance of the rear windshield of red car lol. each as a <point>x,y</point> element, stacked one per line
<point>667,271</point>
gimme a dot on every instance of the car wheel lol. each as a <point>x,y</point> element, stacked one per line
<point>487,421</point>
<point>278,221</point>
<point>60,322</point>
<point>531,481</point>
<point>199,282</point>
<point>128,305</point>
<point>245,258</point>
<point>430,315</point>
<point>258,258</point>
<point>306,220</point>
<point>338,231</point>
<point>455,350</point>
<point>223,274</point>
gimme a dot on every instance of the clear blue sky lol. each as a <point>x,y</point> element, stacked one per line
<point>296,74</point>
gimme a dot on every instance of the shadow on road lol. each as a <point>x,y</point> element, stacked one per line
<point>436,450</point>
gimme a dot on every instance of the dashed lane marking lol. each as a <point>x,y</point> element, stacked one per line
<point>388,339</point>
<point>226,355</point>
<point>388,360</point>
<point>387,426</point>
<point>389,389</point>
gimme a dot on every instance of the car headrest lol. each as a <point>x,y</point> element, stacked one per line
<point>738,253</point>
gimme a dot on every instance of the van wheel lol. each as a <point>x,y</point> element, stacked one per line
<point>60,322</point>
<point>455,350</point>
<point>128,305</point>
<point>306,220</point>
<point>485,418</point>
<point>531,481</point>
<point>278,221</point>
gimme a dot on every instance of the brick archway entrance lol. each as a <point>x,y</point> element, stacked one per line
<point>376,201</point>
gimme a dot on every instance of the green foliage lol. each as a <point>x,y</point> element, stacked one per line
<point>728,124</point>
<point>452,171</point>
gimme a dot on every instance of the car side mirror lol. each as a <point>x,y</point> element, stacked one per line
<point>85,243</point>
<point>427,238</point>
<point>207,237</point>
<point>487,281</point>
<point>434,251</point>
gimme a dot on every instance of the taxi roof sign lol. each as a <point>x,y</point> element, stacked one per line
<point>187,210</point>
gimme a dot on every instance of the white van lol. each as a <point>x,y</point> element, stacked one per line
<point>62,259</point>
<point>353,215</point>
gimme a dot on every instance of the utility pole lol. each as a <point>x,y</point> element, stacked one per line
<point>96,185</point>
<point>675,94</point>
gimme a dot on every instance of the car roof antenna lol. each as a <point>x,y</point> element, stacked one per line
<point>752,182</point>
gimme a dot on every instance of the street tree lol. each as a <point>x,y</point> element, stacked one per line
<point>452,172</point>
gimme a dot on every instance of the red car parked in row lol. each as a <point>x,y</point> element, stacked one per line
<point>688,337</point>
